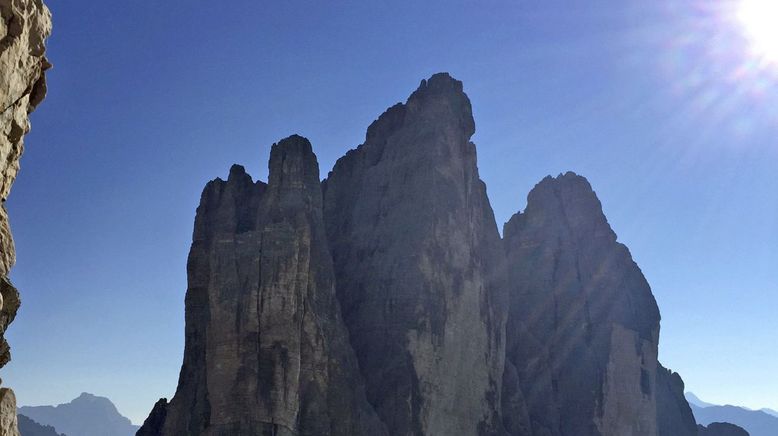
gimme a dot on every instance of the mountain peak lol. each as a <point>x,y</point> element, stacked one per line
<point>440,101</point>
<point>440,83</point>
<point>87,400</point>
<point>568,203</point>
<point>293,168</point>
<point>86,415</point>
<point>293,156</point>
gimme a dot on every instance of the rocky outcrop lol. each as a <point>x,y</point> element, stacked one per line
<point>8,419</point>
<point>416,248</point>
<point>391,306</point>
<point>721,429</point>
<point>266,350</point>
<point>583,326</point>
<point>674,416</point>
<point>24,27</point>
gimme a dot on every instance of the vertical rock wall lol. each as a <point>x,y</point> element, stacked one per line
<point>24,27</point>
<point>416,251</point>
<point>674,416</point>
<point>266,350</point>
<point>583,325</point>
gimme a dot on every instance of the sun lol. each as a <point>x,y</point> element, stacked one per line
<point>760,21</point>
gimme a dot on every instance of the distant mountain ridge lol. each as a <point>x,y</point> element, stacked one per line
<point>770,412</point>
<point>694,399</point>
<point>28,427</point>
<point>87,415</point>
<point>756,422</point>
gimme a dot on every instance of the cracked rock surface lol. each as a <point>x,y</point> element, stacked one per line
<point>24,27</point>
<point>266,351</point>
<point>416,250</point>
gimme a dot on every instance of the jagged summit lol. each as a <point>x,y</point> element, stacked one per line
<point>442,96</point>
<point>439,98</point>
<point>568,204</point>
<point>88,398</point>
<point>292,162</point>
<point>439,83</point>
<point>237,172</point>
<point>441,86</point>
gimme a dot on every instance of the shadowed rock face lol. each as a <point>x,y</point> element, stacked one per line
<point>24,27</point>
<point>583,325</point>
<point>415,248</point>
<point>721,429</point>
<point>266,351</point>
<point>392,307</point>
<point>674,416</point>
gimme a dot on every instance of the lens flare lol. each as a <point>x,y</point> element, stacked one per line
<point>760,21</point>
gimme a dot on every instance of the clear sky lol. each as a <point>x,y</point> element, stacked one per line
<point>662,105</point>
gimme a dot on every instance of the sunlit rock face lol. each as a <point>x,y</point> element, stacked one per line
<point>416,251</point>
<point>583,325</point>
<point>24,27</point>
<point>266,350</point>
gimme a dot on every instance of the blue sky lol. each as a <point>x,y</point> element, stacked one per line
<point>661,105</point>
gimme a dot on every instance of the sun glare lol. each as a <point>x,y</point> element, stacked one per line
<point>760,20</point>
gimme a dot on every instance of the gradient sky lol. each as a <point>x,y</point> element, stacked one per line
<point>660,104</point>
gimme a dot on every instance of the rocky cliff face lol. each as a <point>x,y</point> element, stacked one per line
<point>416,247</point>
<point>266,350</point>
<point>674,416</point>
<point>583,325</point>
<point>24,27</point>
<point>391,306</point>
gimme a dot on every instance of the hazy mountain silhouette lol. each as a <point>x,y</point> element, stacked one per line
<point>756,422</point>
<point>28,427</point>
<point>721,429</point>
<point>87,415</point>
<point>694,399</point>
<point>770,412</point>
